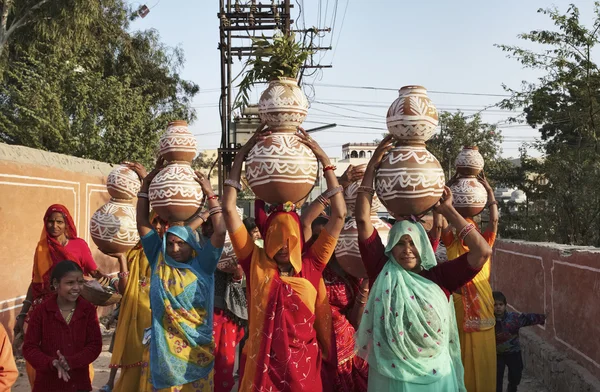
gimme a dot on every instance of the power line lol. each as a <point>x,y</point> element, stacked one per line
<point>395,89</point>
<point>340,33</point>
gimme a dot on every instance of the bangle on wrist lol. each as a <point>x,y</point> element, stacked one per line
<point>233,184</point>
<point>142,195</point>
<point>213,197</point>
<point>329,167</point>
<point>491,203</point>
<point>333,191</point>
<point>366,189</point>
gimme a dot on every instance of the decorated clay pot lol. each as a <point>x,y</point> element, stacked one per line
<point>412,117</point>
<point>113,227</point>
<point>123,183</point>
<point>177,143</point>
<point>410,180</point>
<point>350,194</point>
<point>174,193</point>
<point>281,168</point>
<point>283,105</point>
<point>469,162</point>
<point>228,258</point>
<point>347,253</point>
<point>469,197</point>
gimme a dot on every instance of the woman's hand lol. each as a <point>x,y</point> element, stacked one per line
<point>483,181</point>
<point>138,168</point>
<point>118,256</point>
<point>452,179</point>
<point>204,184</point>
<point>445,203</point>
<point>18,328</point>
<point>160,164</point>
<point>383,148</point>
<point>260,134</point>
<point>353,174</point>
<point>314,146</point>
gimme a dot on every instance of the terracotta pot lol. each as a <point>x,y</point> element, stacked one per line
<point>113,227</point>
<point>228,258</point>
<point>410,180</point>
<point>123,183</point>
<point>346,251</point>
<point>174,193</point>
<point>350,194</point>
<point>469,197</point>
<point>283,105</point>
<point>469,161</point>
<point>177,143</point>
<point>281,168</point>
<point>412,117</point>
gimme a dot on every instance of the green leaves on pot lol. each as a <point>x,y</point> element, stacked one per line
<point>281,58</point>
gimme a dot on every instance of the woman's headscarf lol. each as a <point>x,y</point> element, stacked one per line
<point>182,299</point>
<point>408,329</point>
<point>50,252</point>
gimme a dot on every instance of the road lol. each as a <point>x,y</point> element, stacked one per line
<point>528,384</point>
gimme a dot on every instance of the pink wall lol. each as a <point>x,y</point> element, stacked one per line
<point>561,281</point>
<point>30,181</point>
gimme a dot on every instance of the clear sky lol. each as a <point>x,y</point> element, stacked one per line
<point>446,46</point>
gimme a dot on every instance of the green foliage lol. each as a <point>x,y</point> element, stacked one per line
<point>562,189</point>
<point>281,58</point>
<point>80,83</point>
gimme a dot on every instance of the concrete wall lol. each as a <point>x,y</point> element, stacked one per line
<point>30,181</point>
<point>562,282</point>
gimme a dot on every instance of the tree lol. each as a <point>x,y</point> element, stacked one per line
<point>104,93</point>
<point>564,105</point>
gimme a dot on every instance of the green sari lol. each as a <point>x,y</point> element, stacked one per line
<point>408,331</point>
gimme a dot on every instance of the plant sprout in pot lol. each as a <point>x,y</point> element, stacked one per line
<point>283,105</point>
<point>279,168</point>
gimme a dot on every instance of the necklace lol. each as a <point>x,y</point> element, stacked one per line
<point>69,315</point>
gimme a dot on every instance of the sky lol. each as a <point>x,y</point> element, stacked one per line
<point>446,46</point>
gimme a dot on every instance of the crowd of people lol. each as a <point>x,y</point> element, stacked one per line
<point>287,312</point>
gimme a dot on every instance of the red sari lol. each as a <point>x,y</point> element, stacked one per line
<point>352,370</point>
<point>287,315</point>
<point>50,252</point>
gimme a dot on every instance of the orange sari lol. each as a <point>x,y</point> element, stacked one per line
<point>289,316</point>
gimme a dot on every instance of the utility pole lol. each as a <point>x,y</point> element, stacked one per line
<point>238,23</point>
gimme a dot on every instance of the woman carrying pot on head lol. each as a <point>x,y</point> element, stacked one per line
<point>134,314</point>
<point>408,330</point>
<point>179,346</point>
<point>284,286</point>
<point>58,242</point>
<point>474,305</point>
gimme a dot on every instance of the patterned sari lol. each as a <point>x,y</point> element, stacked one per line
<point>288,322</point>
<point>134,317</point>
<point>408,330</point>
<point>181,343</point>
<point>476,320</point>
<point>352,370</point>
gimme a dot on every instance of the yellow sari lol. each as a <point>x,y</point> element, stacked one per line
<point>134,317</point>
<point>475,318</point>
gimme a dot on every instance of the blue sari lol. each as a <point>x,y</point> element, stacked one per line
<point>182,300</point>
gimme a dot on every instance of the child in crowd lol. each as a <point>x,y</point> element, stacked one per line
<point>508,348</point>
<point>63,337</point>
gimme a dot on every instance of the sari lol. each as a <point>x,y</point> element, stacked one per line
<point>408,331</point>
<point>288,323</point>
<point>475,318</point>
<point>351,370</point>
<point>181,344</point>
<point>50,252</point>
<point>134,317</point>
